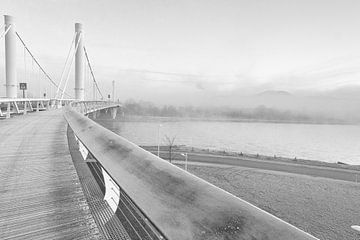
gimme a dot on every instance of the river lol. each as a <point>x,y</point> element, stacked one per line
<point>329,143</point>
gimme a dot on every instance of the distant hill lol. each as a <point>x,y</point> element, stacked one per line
<point>274,93</point>
<point>351,91</point>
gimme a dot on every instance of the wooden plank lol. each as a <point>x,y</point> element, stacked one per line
<point>40,193</point>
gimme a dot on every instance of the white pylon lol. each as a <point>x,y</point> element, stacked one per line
<point>79,64</point>
<point>10,57</point>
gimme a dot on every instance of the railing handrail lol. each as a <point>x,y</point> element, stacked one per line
<point>181,205</point>
<point>5,100</point>
<point>53,100</point>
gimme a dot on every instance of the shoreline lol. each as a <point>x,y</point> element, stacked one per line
<point>189,149</point>
<point>338,171</point>
<point>140,118</point>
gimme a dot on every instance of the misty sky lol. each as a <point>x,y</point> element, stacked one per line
<point>156,50</point>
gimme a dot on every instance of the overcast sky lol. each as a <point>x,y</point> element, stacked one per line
<point>186,47</point>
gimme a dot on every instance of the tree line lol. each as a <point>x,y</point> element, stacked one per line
<point>259,113</point>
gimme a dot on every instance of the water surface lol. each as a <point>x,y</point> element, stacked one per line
<point>330,143</point>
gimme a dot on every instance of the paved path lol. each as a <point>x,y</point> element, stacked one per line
<point>40,193</point>
<point>282,166</point>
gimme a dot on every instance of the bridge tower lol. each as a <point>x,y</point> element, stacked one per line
<point>79,64</point>
<point>10,57</point>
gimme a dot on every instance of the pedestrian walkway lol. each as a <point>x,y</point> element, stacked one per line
<point>40,193</point>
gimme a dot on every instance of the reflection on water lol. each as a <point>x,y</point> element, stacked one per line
<point>330,143</point>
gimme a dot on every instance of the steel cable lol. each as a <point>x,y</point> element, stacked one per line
<point>72,60</point>
<point>92,73</point>
<point>37,63</point>
<point>67,59</point>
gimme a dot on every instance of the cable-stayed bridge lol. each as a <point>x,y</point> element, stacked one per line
<point>65,177</point>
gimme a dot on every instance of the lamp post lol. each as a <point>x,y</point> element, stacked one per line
<point>186,159</point>
<point>158,150</point>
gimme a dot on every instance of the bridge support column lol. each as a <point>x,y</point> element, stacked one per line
<point>113,112</point>
<point>79,64</point>
<point>10,57</point>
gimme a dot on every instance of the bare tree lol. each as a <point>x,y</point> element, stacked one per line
<point>170,142</point>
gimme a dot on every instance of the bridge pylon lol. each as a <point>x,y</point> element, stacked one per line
<point>10,57</point>
<point>79,64</point>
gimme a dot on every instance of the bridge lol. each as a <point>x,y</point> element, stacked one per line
<point>63,176</point>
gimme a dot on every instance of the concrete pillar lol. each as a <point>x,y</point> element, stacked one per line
<point>113,112</point>
<point>79,64</point>
<point>10,58</point>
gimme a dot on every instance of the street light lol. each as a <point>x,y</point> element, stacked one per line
<point>186,159</point>
<point>158,152</point>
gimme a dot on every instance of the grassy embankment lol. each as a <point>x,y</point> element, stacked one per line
<point>320,198</point>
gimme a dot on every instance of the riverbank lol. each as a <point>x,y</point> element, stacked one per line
<point>307,194</point>
<point>338,171</point>
<point>149,118</point>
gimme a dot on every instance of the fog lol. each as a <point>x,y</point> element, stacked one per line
<point>298,56</point>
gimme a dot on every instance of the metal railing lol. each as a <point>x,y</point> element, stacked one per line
<point>132,218</point>
<point>12,106</point>
<point>9,106</point>
<point>178,204</point>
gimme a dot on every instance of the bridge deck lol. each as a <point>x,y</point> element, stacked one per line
<point>40,193</point>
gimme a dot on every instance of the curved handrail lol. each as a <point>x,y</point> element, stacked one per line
<point>181,205</point>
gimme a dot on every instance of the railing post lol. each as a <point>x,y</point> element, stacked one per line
<point>10,57</point>
<point>86,107</point>
<point>8,110</point>
<point>58,104</point>
<point>30,106</point>
<point>25,107</point>
<point>16,107</point>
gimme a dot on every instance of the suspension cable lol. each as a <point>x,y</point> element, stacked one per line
<point>92,74</point>
<point>4,33</point>
<point>86,79</point>
<point>67,59</point>
<point>24,64</point>
<point>72,60</point>
<point>27,49</point>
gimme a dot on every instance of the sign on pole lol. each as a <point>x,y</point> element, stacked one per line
<point>23,87</point>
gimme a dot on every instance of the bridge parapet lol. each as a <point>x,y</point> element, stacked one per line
<point>173,203</point>
<point>12,106</point>
<point>92,107</point>
<point>9,106</point>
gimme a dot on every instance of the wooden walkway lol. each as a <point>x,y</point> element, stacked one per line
<point>40,193</point>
